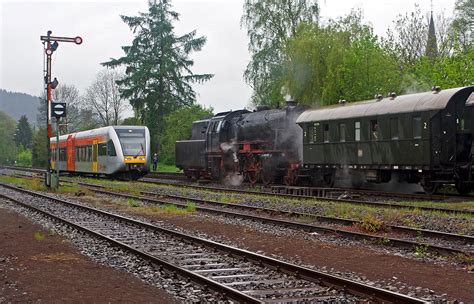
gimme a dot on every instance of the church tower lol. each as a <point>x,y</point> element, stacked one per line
<point>431,44</point>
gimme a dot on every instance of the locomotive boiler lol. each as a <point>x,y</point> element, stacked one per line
<point>262,145</point>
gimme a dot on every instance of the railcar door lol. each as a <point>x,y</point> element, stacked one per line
<point>71,153</point>
<point>94,156</point>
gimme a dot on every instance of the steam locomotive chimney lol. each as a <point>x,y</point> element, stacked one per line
<point>291,103</point>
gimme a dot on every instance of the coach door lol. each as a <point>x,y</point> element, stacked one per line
<point>71,153</point>
<point>94,156</point>
<point>448,134</point>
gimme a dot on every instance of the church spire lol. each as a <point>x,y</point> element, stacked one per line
<point>431,45</point>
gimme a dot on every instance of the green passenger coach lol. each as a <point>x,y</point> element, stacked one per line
<point>423,137</point>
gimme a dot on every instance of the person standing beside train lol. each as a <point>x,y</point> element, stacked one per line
<point>155,161</point>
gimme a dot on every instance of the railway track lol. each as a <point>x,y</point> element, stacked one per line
<point>342,200</point>
<point>240,275</point>
<point>329,194</point>
<point>461,244</point>
<point>333,192</point>
<point>167,175</point>
<point>406,237</point>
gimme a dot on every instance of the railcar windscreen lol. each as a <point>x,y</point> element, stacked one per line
<point>132,141</point>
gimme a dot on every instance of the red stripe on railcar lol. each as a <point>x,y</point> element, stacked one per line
<point>71,152</point>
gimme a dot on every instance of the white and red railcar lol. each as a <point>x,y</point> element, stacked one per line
<point>116,151</point>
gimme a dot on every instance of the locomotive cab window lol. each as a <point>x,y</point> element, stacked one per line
<point>342,132</point>
<point>357,131</point>
<point>417,127</point>
<point>374,130</point>
<point>394,128</point>
<point>326,133</point>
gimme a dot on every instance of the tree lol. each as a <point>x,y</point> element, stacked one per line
<point>70,95</point>
<point>407,39</point>
<point>341,60</point>
<point>463,25</point>
<point>39,151</point>
<point>104,98</point>
<point>131,121</point>
<point>7,143</point>
<point>23,134</point>
<point>158,74</point>
<point>270,24</point>
<point>178,126</point>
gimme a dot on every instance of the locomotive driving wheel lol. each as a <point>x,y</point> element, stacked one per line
<point>290,177</point>
<point>329,178</point>
<point>462,188</point>
<point>267,173</point>
<point>429,186</point>
<point>252,171</point>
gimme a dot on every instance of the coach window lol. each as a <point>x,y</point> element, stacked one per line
<point>326,133</point>
<point>309,134</point>
<point>394,128</point>
<point>357,130</point>
<point>89,153</point>
<point>417,127</point>
<point>111,148</point>
<point>342,132</point>
<point>374,130</point>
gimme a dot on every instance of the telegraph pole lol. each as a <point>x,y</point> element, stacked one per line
<point>49,48</point>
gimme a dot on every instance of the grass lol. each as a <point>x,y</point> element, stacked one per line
<point>190,207</point>
<point>30,184</point>
<point>420,250</point>
<point>133,203</point>
<point>37,184</point>
<point>39,236</point>
<point>161,167</point>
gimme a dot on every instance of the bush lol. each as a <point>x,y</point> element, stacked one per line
<point>372,224</point>
<point>24,158</point>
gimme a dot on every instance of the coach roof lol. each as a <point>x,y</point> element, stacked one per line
<point>418,102</point>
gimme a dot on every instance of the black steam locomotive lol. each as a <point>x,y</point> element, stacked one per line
<point>424,138</point>
<point>240,145</point>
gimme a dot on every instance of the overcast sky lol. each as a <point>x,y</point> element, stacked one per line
<point>98,23</point>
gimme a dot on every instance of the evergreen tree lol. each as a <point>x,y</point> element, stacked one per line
<point>39,151</point>
<point>158,74</point>
<point>7,143</point>
<point>23,133</point>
